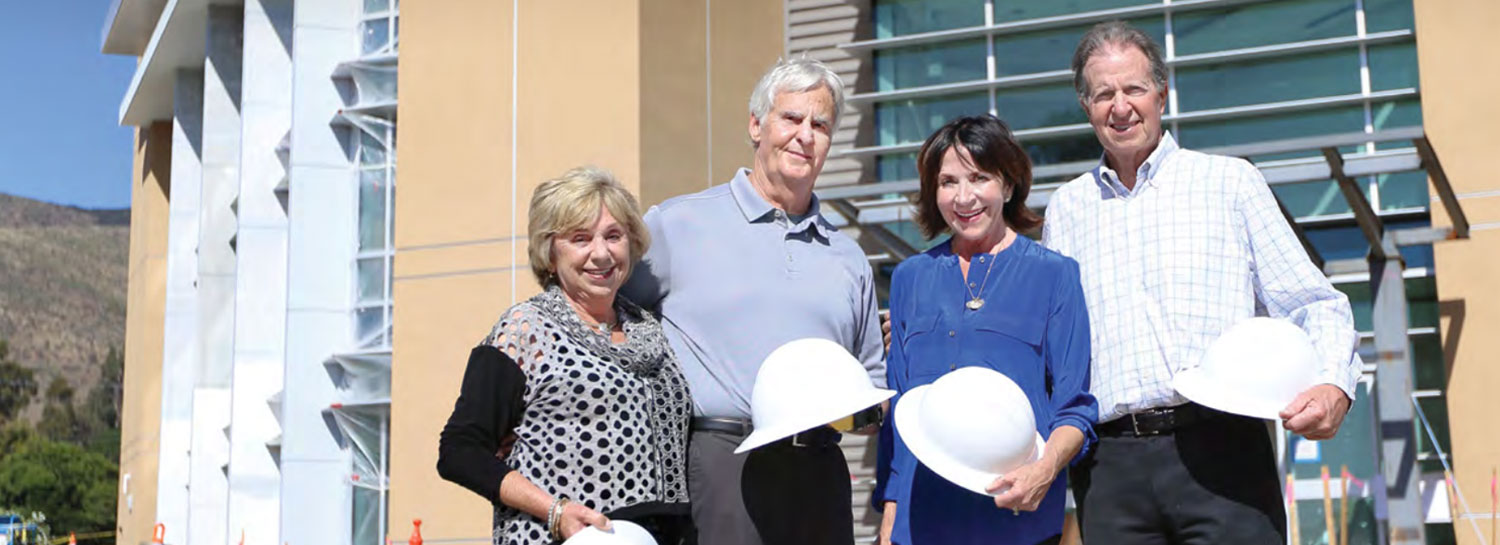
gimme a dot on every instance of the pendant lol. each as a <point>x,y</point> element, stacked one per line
<point>974,303</point>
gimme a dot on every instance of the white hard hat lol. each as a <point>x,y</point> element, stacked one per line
<point>804,384</point>
<point>621,532</point>
<point>1255,368</point>
<point>970,426</point>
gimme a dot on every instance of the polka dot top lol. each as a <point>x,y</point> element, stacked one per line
<point>603,424</point>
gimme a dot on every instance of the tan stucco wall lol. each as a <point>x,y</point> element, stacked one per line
<point>687,146</point>
<point>623,89</point>
<point>140,411</point>
<point>1460,68</point>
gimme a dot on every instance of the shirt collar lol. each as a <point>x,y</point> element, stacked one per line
<point>1109,182</point>
<point>756,209</point>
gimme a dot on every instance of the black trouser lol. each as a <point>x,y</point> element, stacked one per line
<point>1210,482</point>
<point>778,494</point>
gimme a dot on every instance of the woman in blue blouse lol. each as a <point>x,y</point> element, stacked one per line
<point>985,297</point>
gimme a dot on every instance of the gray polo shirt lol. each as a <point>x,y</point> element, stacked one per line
<point>734,278</point>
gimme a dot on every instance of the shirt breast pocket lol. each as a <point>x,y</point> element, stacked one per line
<point>1012,331</point>
<point>921,345</point>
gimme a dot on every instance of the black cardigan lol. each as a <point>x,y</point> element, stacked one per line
<point>489,406</point>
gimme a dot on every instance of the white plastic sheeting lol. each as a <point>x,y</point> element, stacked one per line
<point>361,376</point>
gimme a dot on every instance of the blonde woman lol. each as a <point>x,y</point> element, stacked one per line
<point>583,381</point>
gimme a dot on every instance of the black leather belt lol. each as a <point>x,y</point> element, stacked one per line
<point>1156,421</point>
<point>732,426</point>
<point>817,437</point>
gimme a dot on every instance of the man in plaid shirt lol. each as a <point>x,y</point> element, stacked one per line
<point>1175,246</point>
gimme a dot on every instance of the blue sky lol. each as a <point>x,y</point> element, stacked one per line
<point>62,141</point>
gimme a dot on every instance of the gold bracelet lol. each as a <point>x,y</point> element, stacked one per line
<point>554,518</point>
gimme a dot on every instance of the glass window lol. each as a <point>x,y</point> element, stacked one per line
<point>371,272</point>
<point>1421,307</point>
<point>1020,11</point>
<point>370,326</point>
<point>1312,199</point>
<point>912,120</point>
<point>1383,15</point>
<point>1436,410</point>
<point>1394,114</point>
<point>371,151</point>
<point>1393,66</point>
<point>376,6</point>
<point>896,167</point>
<point>1431,371</point>
<point>1403,190</point>
<point>375,35</point>
<point>1262,24</point>
<point>1033,107</point>
<point>930,64</point>
<point>372,213</point>
<point>1268,80</point>
<point>899,17</point>
<point>1083,147</point>
<point>1211,134</point>
<point>1050,50</point>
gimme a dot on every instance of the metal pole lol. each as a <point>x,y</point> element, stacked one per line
<point>1405,522</point>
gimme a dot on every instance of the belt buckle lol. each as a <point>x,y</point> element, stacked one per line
<point>1135,424</point>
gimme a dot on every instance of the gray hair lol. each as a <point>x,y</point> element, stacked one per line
<point>795,76</point>
<point>1116,33</point>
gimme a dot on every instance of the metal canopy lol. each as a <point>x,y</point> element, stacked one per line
<point>870,206</point>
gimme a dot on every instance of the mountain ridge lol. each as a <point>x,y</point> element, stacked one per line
<point>63,273</point>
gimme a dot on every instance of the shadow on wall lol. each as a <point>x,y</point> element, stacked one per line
<point>1455,311</point>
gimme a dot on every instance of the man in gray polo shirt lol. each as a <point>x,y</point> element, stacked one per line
<point>736,271</point>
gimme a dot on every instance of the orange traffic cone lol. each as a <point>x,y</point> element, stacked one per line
<point>416,532</point>
<point>72,538</point>
<point>159,535</point>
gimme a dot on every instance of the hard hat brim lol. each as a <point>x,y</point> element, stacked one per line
<point>935,458</point>
<point>1196,385</point>
<point>622,532</point>
<point>812,419</point>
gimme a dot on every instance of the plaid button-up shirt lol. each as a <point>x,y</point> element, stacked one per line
<point>1198,245</point>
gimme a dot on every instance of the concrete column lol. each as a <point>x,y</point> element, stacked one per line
<point>315,492</point>
<point>1403,517</point>
<point>260,280</point>
<point>208,488</point>
<point>180,325</point>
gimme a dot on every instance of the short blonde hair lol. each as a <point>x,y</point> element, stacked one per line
<point>572,201</point>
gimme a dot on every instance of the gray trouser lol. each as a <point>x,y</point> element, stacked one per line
<point>778,494</point>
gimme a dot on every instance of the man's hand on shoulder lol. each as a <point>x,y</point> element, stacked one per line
<point>885,329</point>
<point>1317,412</point>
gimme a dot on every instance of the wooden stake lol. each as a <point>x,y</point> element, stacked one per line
<point>1452,499</point>
<point>1343,505</point>
<point>1291,510</point>
<point>1328,508</point>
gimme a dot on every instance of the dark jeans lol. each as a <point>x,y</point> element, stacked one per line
<point>1211,482</point>
<point>778,494</point>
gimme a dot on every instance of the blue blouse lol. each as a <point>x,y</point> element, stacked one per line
<point>1034,328</point>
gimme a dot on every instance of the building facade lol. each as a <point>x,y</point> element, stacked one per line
<point>297,327</point>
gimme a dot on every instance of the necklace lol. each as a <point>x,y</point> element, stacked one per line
<point>604,328</point>
<point>976,302</point>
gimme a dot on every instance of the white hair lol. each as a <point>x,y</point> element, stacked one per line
<point>795,76</point>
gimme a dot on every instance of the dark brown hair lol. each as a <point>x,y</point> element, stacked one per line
<point>995,150</point>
